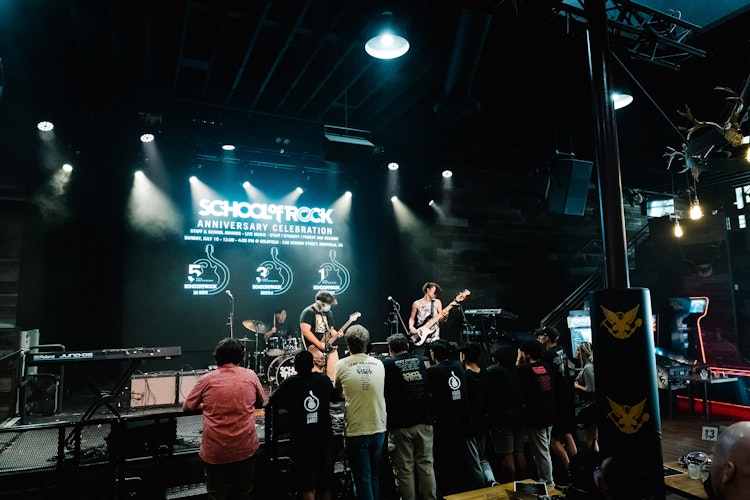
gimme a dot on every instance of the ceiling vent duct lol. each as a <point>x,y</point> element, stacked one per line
<point>347,145</point>
<point>471,33</point>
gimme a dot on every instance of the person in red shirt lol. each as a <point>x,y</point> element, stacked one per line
<point>228,397</point>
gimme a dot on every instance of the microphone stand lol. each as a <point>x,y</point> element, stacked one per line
<point>467,326</point>
<point>231,317</point>
<point>397,313</point>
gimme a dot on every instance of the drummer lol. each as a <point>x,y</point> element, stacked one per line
<point>279,328</point>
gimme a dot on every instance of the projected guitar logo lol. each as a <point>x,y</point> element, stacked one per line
<point>274,276</point>
<point>207,276</point>
<point>334,277</point>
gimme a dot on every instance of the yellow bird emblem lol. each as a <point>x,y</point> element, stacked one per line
<point>629,419</point>
<point>621,324</point>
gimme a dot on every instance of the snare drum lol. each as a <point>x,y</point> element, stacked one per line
<point>280,369</point>
<point>292,346</point>
<point>273,347</point>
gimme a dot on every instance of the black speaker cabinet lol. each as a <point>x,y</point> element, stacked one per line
<point>42,393</point>
<point>142,438</point>
<point>568,186</point>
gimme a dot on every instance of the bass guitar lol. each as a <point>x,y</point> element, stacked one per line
<point>425,330</point>
<point>319,356</point>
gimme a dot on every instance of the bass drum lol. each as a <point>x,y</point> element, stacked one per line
<point>279,370</point>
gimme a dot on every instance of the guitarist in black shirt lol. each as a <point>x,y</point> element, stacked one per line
<point>316,324</point>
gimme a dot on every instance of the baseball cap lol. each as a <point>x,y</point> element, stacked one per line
<point>549,331</point>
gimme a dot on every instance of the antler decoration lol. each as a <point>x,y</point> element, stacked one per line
<point>730,131</point>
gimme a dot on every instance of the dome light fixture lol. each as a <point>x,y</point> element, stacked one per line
<point>384,42</point>
<point>621,99</point>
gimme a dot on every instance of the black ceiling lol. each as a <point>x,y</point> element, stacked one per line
<point>259,73</point>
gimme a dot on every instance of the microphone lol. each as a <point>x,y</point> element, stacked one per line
<point>391,300</point>
<point>229,292</point>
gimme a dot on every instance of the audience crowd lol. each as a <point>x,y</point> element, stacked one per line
<point>457,419</point>
<point>460,420</point>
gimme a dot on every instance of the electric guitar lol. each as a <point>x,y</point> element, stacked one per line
<point>319,356</point>
<point>425,330</point>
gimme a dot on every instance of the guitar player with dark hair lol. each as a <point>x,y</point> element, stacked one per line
<point>316,324</point>
<point>422,311</point>
<point>426,315</point>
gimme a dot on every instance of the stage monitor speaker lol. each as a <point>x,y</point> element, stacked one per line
<point>153,389</point>
<point>379,348</point>
<point>142,438</point>
<point>186,381</point>
<point>568,186</point>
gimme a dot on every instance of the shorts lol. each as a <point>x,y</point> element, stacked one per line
<point>564,424</point>
<point>587,414</point>
<point>313,466</point>
<point>507,440</point>
<point>565,416</point>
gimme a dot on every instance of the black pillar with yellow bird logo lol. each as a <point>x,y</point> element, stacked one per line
<point>627,397</point>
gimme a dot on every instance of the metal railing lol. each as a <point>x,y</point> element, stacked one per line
<point>577,298</point>
<point>71,458</point>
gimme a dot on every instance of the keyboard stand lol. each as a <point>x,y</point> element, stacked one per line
<point>106,398</point>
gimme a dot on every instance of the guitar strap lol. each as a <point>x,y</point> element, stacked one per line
<point>324,317</point>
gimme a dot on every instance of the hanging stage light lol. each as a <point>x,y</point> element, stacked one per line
<point>384,42</point>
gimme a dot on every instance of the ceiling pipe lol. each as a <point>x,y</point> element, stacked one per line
<point>474,20</point>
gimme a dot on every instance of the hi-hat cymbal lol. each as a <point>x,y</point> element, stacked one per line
<point>256,326</point>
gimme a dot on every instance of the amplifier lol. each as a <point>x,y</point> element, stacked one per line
<point>153,389</point>
<point>667,372</point>
<point>186,382</point>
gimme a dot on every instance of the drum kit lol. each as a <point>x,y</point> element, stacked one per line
<point>275,363</point>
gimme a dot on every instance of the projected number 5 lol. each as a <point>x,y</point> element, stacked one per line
<point>207,276</point>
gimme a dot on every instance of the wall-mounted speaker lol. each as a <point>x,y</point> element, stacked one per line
<point>568,186</point>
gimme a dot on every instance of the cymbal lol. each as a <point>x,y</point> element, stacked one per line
<point>256,326</point>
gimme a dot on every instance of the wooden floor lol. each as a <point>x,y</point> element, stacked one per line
<point>682,434</point>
